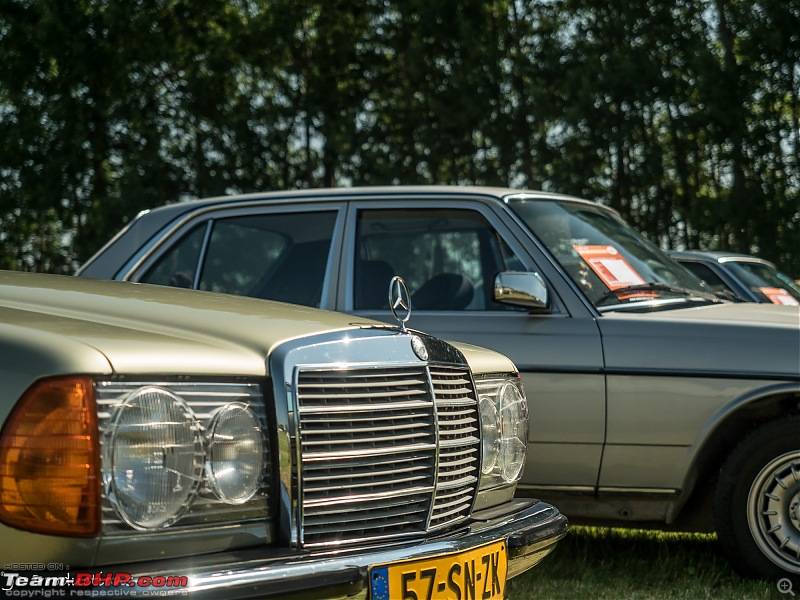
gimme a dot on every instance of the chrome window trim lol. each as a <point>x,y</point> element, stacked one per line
<point>201,256</point>
<point>544,251</point>
<point>745,259</point>
<point>715,266</point>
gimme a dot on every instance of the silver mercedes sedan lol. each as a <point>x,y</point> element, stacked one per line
<point>655,402</point>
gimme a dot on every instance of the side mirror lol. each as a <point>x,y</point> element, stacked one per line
<point>524,289</point>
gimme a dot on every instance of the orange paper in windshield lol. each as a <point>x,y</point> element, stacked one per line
<point>611,267</point>
<point>779,296</point>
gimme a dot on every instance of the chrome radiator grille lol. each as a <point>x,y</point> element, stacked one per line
<point>368,445</point>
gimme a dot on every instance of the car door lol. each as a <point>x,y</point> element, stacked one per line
<point>448,252</point>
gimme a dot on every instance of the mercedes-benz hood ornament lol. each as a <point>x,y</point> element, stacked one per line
<point>400,301</point>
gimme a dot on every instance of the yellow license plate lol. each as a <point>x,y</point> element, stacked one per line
<point>477,574</point>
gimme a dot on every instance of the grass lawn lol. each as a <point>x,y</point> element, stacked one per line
<point>623,564</point>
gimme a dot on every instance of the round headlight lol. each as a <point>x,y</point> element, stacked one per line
<point>155,458</point>
<point>235,454</point>
<point>490,434</point>
<point>513,432</point>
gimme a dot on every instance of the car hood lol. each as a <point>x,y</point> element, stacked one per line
<point>742,339</point>
<point>145,329</point>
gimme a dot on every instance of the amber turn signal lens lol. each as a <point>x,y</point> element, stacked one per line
<point>49,460</point>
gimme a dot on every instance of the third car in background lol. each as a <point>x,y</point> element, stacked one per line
<point>743,277</point>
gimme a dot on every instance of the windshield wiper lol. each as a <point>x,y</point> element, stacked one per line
<point>728,295</point>
<point>654,286</point>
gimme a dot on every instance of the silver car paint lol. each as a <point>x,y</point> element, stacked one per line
<point>620,402</point>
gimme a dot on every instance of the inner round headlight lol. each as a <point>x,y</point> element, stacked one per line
<point>155,458</point>
<point>235,454</point>
<point>490,434</point>
<point>513,432</point>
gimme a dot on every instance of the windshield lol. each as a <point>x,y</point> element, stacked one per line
<point>606,258</point>
<point>766,283</point>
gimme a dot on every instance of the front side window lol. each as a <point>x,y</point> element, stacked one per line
<point>768,284</point>
<point>178,266</point>
<point>707,274</point>
<point>275,256</point>
<point>448,258</point>
<point>240,252</point>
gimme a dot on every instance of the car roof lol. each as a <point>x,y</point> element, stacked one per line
<point>718,256</point>
<point>149,222</point>
<point>340,193</point>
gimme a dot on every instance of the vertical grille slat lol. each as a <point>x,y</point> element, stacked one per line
<point>459,443</point>
<point>369,456</point>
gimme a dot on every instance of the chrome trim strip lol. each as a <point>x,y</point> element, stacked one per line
<point>365,408</point>
<point>368,497</point>
<point>639,491</point>
<point>699,374</point>
<point>630,306</point>
<point>375,452</point>
<point>587,489</point>
<point>574,489</point>
<point>743,259</point>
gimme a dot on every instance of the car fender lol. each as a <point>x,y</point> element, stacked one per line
<point>713,431</point>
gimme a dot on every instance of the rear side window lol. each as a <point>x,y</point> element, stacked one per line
<point>706,274</point>
<point>277,256</point>
<point>241,252</point>
<point>178,266</point>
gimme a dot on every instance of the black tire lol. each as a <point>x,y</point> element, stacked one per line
<point>757,501</point>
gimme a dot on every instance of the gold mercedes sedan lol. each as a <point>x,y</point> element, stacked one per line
<point>171,442</point>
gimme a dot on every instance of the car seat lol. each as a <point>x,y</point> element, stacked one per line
<point>371,289</point>
<point>445,291</point>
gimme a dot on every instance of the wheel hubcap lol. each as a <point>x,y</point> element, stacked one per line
<point>773,509</point>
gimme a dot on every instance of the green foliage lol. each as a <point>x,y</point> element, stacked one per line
<point>684,116</point>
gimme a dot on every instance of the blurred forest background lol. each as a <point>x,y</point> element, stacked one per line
<point>684,115</point>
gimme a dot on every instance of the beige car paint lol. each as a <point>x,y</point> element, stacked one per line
<point>106,328</point>
<point>223,335</point>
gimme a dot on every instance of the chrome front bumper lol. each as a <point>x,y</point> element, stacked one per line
<point>529,527</point>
